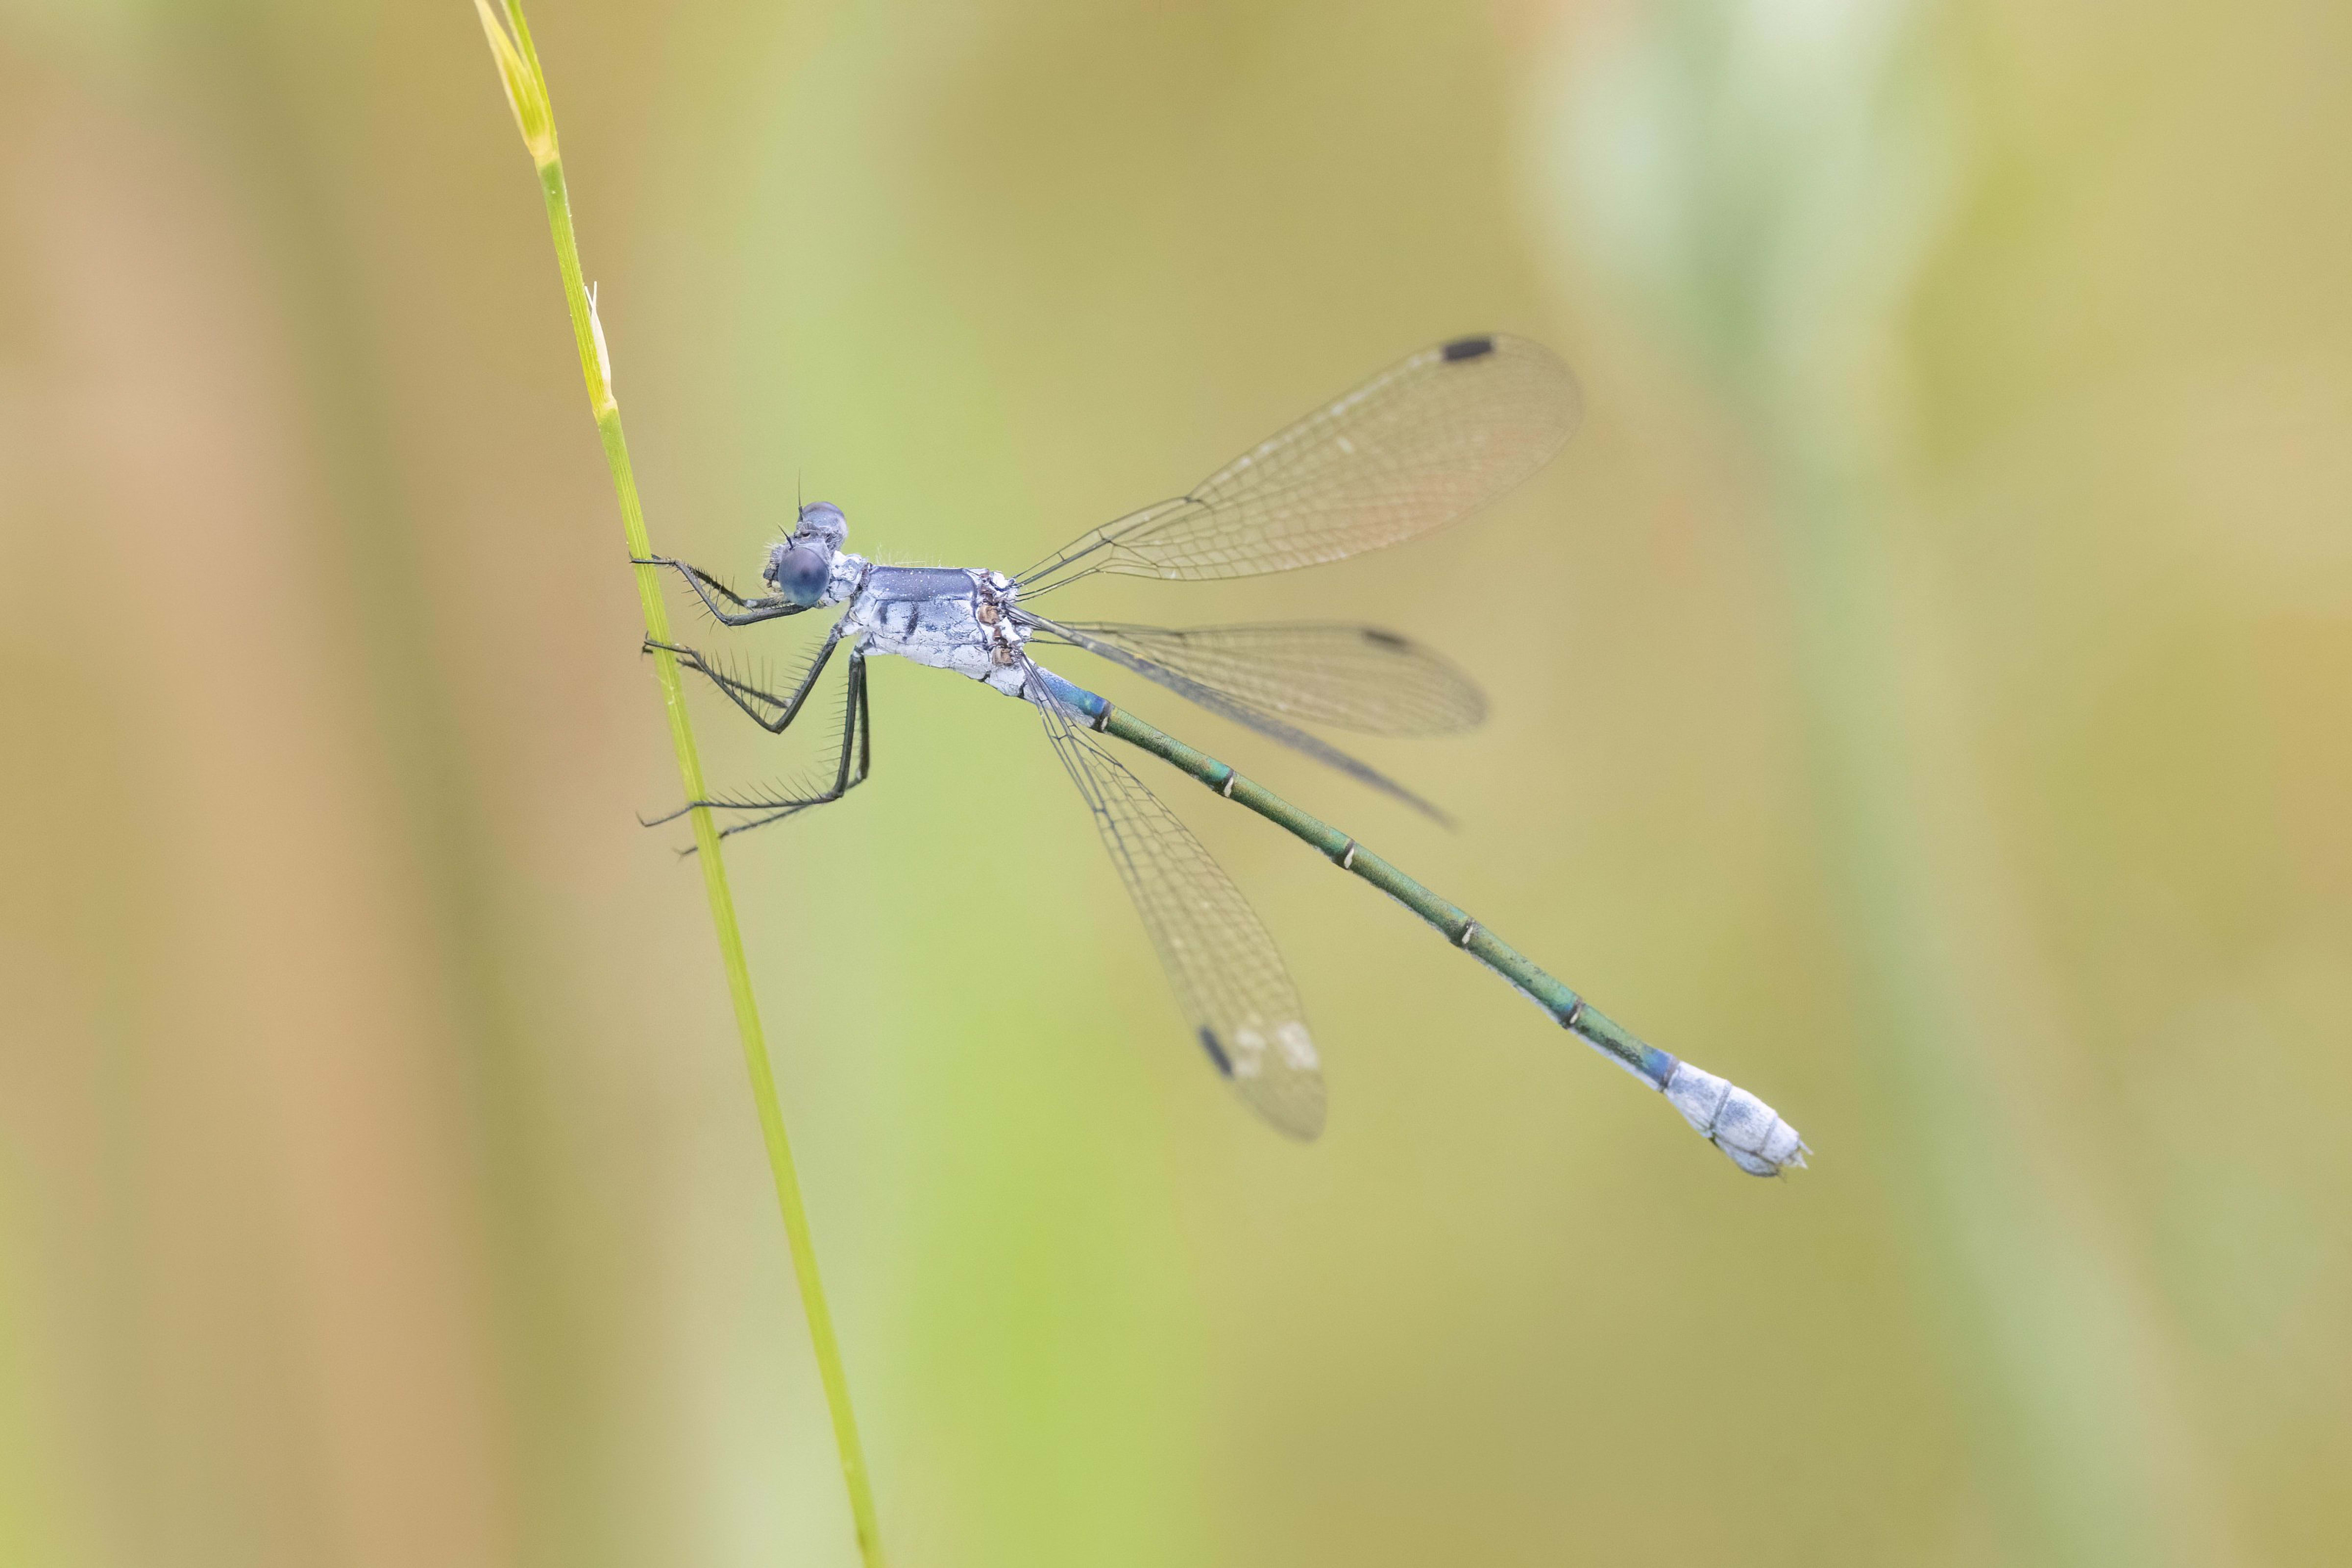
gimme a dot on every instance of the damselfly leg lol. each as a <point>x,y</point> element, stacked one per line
<point>747,612</point>
<point>857,759</point>
<point>759,703</point>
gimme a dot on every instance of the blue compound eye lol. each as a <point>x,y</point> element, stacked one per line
<point>799,575</point>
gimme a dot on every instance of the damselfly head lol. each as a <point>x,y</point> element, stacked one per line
<point>800,569</point>
<point>822,520</point>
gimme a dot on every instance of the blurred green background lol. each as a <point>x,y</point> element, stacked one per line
<point>1919,693</point>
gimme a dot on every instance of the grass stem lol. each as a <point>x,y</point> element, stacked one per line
<point>526,85</point>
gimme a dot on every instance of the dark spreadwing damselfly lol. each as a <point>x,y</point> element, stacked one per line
<point>1423,444</point>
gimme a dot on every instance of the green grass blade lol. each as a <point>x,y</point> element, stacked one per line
<point>526,88</point>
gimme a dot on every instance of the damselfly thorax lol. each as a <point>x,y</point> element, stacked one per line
<point>946,617</point>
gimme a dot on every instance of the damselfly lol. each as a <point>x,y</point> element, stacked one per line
<point>1422,444</point>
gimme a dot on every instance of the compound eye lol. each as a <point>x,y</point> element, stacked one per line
<point>799,575</point>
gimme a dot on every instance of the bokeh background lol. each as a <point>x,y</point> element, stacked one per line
<point>1919,693</point>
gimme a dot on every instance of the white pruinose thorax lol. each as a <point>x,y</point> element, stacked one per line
<point>950,618</point>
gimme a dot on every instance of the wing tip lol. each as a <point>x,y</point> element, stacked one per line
<point>1500,348</point>
<point>1298,1118</point>
<point>1280,1077</point>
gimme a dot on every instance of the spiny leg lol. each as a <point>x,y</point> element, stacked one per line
<point>863,722</point>
<point>752,611</point>
<point>855,763</point>
<point>742,693</point>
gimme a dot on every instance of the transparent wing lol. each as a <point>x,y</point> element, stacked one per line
<point>1241,713</point>
<point>1351,678</point>
<point>1419,446</point>
<point>1220,961</point>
